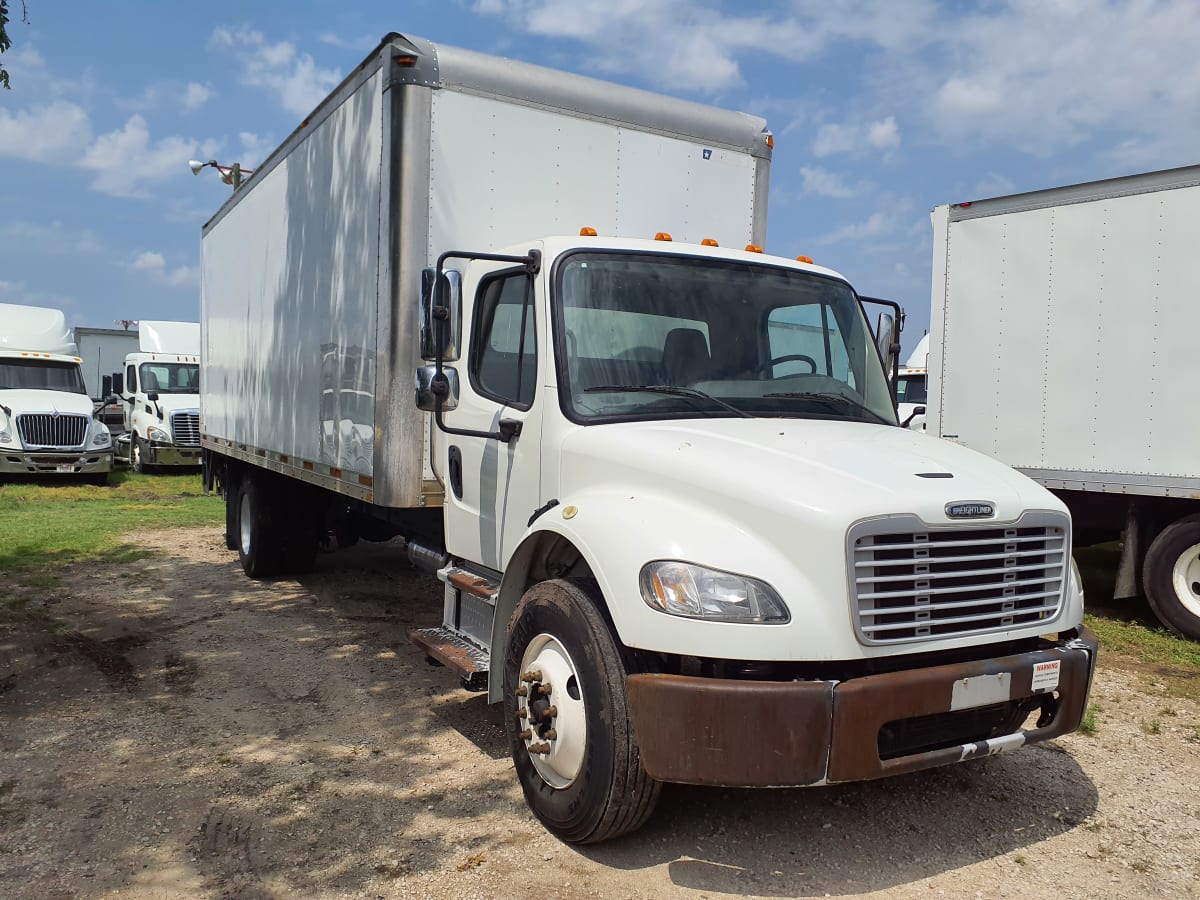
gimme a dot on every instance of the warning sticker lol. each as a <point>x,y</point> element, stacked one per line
<point>1045,676</point>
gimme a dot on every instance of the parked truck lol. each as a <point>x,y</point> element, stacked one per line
<point>101,352</point>
<point>48,424</point>
<point>160,387</point>
<point>680,534</point>
<point>1063,333</point>
<point>912,387</point>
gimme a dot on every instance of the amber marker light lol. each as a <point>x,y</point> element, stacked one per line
<point>585,231</point>
<point>804,259</point>
<point>770,141</point>
<point>709,242</point>
<point>662,236</point>
<point>753,248</point>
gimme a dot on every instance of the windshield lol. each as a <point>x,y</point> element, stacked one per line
<point>41,375</point>
<point>911,389</point>
<point>170,378</point>
<point>650,336</point>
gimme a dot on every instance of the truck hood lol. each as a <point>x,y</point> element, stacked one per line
<point>797,468</point>
<point>34,401</point>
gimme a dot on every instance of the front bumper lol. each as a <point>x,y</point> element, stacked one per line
<point>171,455</point>
<point>775,734</point>
<point>56,462</point>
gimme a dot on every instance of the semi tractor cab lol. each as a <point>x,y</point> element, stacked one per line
<point>160,387</point>
<point>48,423</point>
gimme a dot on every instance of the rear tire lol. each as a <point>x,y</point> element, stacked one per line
<point>259,531</point>
<point>137,455</point>
<point>590,786</point>
<point>1171,576</point>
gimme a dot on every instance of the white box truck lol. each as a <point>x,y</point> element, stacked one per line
<point>48,423</point>
<point>681,535</point>
<point>101,352</point>
<point>160,389</point>
<point>1064,324</point>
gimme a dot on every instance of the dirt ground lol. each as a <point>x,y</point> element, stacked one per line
<point>201,735</point>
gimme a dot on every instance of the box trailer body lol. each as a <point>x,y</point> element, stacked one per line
<point>102,351</point>
<point>48,423</point>
<point>506,313</point>
<point>159,388</point>
<point>1063,324</point>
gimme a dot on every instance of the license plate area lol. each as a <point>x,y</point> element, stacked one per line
<point>981,690</point>
<point>65,468</point>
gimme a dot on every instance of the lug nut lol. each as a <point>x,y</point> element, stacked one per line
<point>522,714</point>
<point>532,675</point>
<point>540,749</point>
<point>543,690</point>
<point>522,691</point>
<point>550,713</point>
<point>551,735</point>
<point>526,735</point>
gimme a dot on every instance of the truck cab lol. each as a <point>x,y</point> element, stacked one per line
<point>48,423</point>
<point>160,388</point>
<point>912,390</point>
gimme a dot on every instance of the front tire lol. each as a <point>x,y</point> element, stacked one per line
<point>1171,576</point>
<point>567,719</point>
<point>137,455</point>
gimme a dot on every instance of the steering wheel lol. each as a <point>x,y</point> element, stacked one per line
<point>790,357</point>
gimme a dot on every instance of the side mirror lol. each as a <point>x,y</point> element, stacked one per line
<point>441,314</point>
<point>118,382</point>
<point>152,396</point>
<point>917,411</point>
<point>106,387</point>
<point>426,398</point>
<point>887,340</point>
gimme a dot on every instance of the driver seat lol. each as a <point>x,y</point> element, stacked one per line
<point>685,356</point>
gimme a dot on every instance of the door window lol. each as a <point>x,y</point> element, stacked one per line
<point>503,362</point>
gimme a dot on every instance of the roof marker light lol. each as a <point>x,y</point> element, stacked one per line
<point>753,248</point>
<point>587,231</point>
<point>804,259</point>
<point>662,236</point>
<point>709,242</point>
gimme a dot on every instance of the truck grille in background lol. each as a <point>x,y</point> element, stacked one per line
<point>921,584</point>
<point>185,428</point>
<point>46,430</point>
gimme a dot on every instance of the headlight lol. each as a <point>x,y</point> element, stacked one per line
<point>154,433</point>
<point>102,437</point>
<point>683,589</point>
<point>5,436</point>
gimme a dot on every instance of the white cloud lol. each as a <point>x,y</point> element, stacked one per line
<point>293,78</point>
<point>54,237</point>
<point>195,96</point>
<point>48,134</point>
<point>154,265</point>
<point>994,185</point>
<point>255,148</point>
<point>126,160</point>
<point>884,135</point>
<point>854,138</point>
<point>16,292</point>
<point>824,183</point>
<point>877,224</point>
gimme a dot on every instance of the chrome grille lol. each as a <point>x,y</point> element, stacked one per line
<point>185,428</point>
<point>923,583</point>
<point>47,430</point>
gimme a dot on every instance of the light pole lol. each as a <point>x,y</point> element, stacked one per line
<point>233,175</point>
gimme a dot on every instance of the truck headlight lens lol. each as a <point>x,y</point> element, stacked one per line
<point>102,437</point>
<point>683,589</point>
<point>154,433</point>
<point>5,436</point>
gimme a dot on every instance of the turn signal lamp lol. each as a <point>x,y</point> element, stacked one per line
<point>804,259</point>
<point>709,242</point>
<point>753,248</point>
<point>662,236</point>
<point>585,231</point>
<point>770,141</point>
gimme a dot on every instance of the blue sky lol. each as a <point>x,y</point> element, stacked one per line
<point>882,109</point>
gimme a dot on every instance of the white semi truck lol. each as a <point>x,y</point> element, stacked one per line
<point>680,533</point>
<point>48,423</point>
<point>160,387</point>
<point>912,387</point>
<point>1064,326</point>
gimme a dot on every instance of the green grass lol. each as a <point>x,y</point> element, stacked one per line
<point>45,525</point>
<point>1088,726</point>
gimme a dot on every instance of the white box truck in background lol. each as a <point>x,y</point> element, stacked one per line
<point>101,352</point>
<point>160,388</point>
<point>1064,330</point>
<point>680,534</point>
<point>48,423</point>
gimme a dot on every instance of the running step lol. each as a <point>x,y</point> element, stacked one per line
<point>470,583</point>
<point>453,651</point>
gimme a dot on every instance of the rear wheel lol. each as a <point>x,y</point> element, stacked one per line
<point>260,547</point>
<point>568,725</point>
<point>137,456</point>
<point>1171,576</point>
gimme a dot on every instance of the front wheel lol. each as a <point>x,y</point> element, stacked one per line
<point>1171,576</point>
<point>137,455</point>
<point>568,725</point>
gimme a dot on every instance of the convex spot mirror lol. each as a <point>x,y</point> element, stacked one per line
<point>887,341</point>
<point>443,293</point>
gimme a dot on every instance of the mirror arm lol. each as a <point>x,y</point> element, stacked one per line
<point>439,385</point>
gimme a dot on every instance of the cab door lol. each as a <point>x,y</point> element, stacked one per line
<point>493,485</point>
<point>129,395</point>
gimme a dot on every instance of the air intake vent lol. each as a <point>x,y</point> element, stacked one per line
<point>916,583</point>
<point>58,432</point>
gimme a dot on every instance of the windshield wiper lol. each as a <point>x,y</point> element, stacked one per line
<point>688,393</point>
<point>832,400</point>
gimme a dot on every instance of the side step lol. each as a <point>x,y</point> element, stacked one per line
<point>455,652</point>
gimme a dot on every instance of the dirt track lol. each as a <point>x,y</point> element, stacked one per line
<point>201,735</point>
